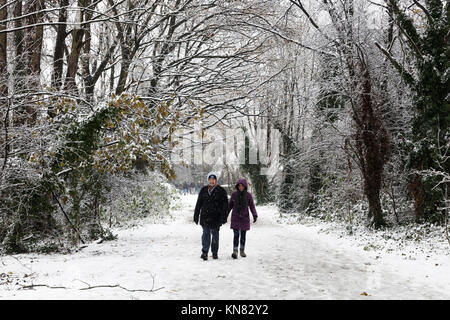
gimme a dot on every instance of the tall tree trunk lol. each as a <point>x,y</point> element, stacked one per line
<point>3,81</point>
<point>78,34</point>
<point>124,69</point>
<point>34,36</point>
<point>19,66</point>
<point>85,63</point>
<point>285,199</point>
<point>58,55</point>
<point>18,39</point>
<point>417,190</point>
<point>28,45</point>
<point>372,143</point>
<point>3,53</point>
<point>73,60</point>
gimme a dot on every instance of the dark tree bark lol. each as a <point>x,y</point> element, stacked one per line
<point>73,60</point>
<point>18,37</point>
<point>3,53</point>
<point>285,201</point>
<point>85,63</point>
<point>3,80</point>
<point>58,56</point>
<point>79,35</point>
<point>28,47</point>
<point>372,144</point>
<point>33,37</point>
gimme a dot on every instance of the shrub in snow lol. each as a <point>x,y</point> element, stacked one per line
<point>146,198</point>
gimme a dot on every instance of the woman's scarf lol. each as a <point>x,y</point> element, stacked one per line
<point>241,201</point>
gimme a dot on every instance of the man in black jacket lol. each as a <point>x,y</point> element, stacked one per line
<point>212,210</point>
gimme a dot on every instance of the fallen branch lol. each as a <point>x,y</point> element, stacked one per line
<point>31,286</point>
<point>89,287</point>
<point>81,248</point>
<point>119,286</point>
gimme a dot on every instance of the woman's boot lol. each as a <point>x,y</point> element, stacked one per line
<point>234,255</point>
<point>243,253</point>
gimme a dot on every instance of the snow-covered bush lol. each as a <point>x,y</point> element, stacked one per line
<point>131,200</point>
<point>53,189</point>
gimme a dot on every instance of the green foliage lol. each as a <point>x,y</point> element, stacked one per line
<point>430,125</point>
<point>12,243</point>
<point>82,140</point>
<point>28,212</point>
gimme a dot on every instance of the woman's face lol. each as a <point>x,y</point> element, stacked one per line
<point>241,187</point>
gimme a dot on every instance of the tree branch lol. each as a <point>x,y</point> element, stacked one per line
<point>409,79</point>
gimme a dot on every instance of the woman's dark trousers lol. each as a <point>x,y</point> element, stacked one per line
<point>239,238</point>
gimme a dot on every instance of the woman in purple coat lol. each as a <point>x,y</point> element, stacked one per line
<point>240,202</point>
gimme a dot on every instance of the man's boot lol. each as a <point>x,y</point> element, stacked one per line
<point>204,256</point>
<point>215,256</point>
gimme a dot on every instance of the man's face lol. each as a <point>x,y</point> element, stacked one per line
<point>212,181</point>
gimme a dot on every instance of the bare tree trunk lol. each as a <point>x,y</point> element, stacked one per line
<point>34,38</point>
<point>124,69</point>
<point>372,143</point>
<point>28,56</point>
<point>73,60</point>
<point>3,79</point>
<point>18,37</point>
<point>3,53</point>
<point>417,190</point>
<point>19,71</point>
<point>58,55</point>
<point>85,63</point>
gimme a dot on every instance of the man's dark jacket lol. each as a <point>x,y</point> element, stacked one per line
<point>211,208</point>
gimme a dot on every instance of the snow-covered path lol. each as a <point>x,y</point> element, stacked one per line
<point>284,262</point>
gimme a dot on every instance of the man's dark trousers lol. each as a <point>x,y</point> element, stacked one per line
<point>209,233</point>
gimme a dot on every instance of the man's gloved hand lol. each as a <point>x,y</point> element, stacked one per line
<point>254,219</point>
<point>196,220</point>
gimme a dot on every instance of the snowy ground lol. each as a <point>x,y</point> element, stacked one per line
<point>285,261</point>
